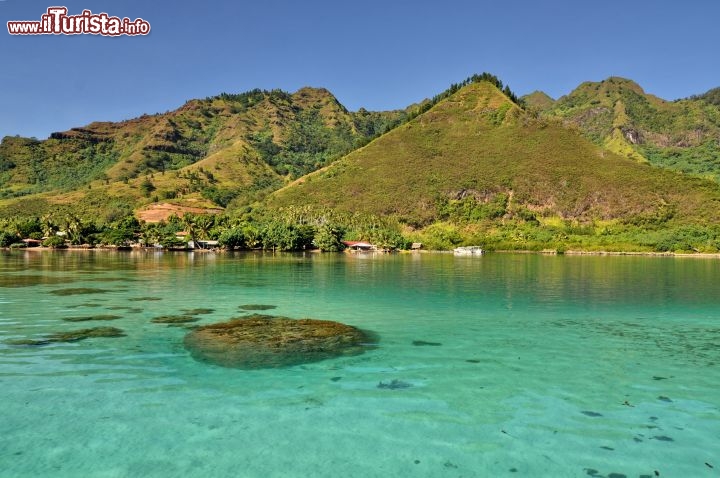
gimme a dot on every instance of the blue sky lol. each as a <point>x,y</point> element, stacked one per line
<point>374,54</point>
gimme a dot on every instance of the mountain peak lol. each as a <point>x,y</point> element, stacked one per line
<point>311,94</point>
<point>620,82</point>
<point>538,99</point>
<point>609,88</point>
<point>474,148</point>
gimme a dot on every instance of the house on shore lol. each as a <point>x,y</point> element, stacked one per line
<point>359,246</point>
<point>203,244</point>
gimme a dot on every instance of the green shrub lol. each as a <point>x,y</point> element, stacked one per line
<point>441,236</point>
<point>55,242</point>
<point>233,239</point>
<point>6,239</point>
<point>282,236</point>
<point>328,238</point>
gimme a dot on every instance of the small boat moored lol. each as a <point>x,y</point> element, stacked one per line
<point>468,251</point>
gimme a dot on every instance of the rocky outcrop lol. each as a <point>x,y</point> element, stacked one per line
<point>263,341</point>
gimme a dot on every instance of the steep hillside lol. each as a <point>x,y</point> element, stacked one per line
<point>476,156</point>
<point>208,152</point>
<point>616,113</point>
<point>712,97</point>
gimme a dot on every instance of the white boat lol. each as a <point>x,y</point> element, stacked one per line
<point>468,251</point>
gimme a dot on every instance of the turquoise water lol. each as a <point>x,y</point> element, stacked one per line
<point>542,366</point>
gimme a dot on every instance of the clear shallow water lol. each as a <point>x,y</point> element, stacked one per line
<point>548,366</point>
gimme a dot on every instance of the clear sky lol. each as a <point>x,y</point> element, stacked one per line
<point>377,54</point>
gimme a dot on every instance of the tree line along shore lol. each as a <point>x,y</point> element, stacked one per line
<point>297,229</point>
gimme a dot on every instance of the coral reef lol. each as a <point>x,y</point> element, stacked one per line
<point>261,341</point>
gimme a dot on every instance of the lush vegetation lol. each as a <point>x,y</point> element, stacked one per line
<point>471,166</point>
<point>455,87</point>
<point>296,229</point>
<point>449,165</point>
<point>712,97</point>
<point>617,114</point>
<point>223,148</point>
<point>52,164</point>
<point>701,160</point>
<point>287,230</point>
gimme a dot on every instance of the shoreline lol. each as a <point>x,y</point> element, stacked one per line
<point>699,255</point>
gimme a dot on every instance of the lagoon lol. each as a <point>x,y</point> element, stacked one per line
<point>503,365</point>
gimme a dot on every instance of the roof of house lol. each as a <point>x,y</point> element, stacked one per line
<point>357,244</point>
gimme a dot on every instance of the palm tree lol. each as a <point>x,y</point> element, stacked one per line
<point>188,221</point>
<point>203,224</point>
<point>73,229</point>
<point>48,225</point>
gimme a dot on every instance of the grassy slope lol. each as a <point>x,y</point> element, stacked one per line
<point>712,97</point>
<point>618,114</point>
<point>478,143</point>
<point>539,100</point>
<point>206,145</point>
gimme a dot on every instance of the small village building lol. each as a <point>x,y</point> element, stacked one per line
<point>32,242</point>
<point>204,244</point>
<point>359,246</point>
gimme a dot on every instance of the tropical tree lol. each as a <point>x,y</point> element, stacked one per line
<point>189,223</point>
<point>48,225</point>
<point>73,229</point>
<point>54,242</point>
<point>282,236</point>
<point>203,224</point>
<point>233,239</point>
<point>328,238</point>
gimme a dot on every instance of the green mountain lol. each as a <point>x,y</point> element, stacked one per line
<point>473,165</point>
<point>539,100</point>
<point>206,153</point>
<point>617,114</point>
<point>478,162</point>
<point>712,97</point>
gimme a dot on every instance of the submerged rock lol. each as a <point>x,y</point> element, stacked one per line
<point>422,343</point>
<point>72,336</point>
<point>82,334</point>
<point>394,384</point>
<point>175,319</point>
<point>28,342</point>
<point>130,310</point>
<point>199,311</point>
<point>257,307</point>
<point>92,317</point>
<point>79,291</point>
<point>265,342</point>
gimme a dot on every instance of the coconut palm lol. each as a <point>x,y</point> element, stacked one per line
<point>48,225</point>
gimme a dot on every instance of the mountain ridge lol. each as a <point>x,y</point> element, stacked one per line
<point>616,113</point>
<point>234,149</point>
<point>241,144</point>
<point>479,144</point>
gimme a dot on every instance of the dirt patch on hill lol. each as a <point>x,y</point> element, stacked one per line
<point>162,211</point>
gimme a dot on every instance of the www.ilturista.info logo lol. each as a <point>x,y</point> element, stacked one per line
<point>57,22</point>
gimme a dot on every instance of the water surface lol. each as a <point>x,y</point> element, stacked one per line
<point>505,365</point>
